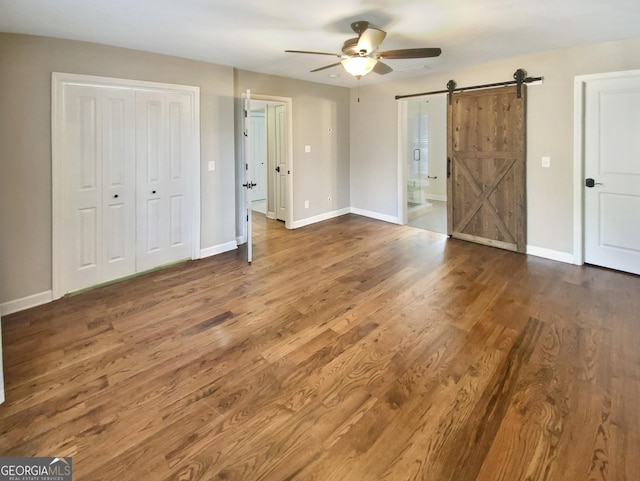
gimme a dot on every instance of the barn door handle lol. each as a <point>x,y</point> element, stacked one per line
<point>448,167</point>
<point>432,176</point>
<point>591,183</point>
<point>278,168</point>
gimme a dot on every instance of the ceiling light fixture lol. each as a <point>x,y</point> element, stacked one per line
<point>359,66</point>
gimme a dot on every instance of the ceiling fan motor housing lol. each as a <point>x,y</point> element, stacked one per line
<point>350,48</point>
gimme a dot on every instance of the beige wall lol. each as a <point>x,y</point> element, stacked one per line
<point>26,63</point>
<point>549,133</point>
<point>317,108</point>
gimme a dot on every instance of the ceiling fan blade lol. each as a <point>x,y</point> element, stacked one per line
<point>313,53</point>
<point>370,39</point>
<point>382,68</point>
<point>326,66</point>
<point>410,53</point>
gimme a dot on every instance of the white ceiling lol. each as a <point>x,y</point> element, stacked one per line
<point>253,34</point>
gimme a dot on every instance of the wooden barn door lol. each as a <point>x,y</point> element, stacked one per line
<point>486,172</point>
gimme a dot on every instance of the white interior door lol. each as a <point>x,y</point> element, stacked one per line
<point>612,165</point>
<point>248,171</point>
<point>281,162</point>
<point>99,185</point>
<point>163,149</point>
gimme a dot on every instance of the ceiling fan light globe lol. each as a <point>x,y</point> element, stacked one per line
<point>359,66</point>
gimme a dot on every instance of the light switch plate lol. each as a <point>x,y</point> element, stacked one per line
<point>546,161</point>
<point>212,165</point>
<point>307,148</point>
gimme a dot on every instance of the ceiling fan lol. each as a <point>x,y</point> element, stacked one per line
<point>360,55</point>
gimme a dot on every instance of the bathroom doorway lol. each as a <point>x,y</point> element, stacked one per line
<point>423,163</point>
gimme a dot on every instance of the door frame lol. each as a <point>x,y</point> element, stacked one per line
<point>58,80</point>
<point>579,91</point>
<point>288,102</point>
<point>403,173</point>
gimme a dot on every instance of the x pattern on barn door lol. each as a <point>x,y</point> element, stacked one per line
<point>486,188</point>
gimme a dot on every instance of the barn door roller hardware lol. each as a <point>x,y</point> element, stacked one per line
<point>519,78</point>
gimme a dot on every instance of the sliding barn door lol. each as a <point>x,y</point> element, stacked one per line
<point>486,172</point>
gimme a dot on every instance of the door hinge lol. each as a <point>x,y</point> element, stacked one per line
<point>448,167</point>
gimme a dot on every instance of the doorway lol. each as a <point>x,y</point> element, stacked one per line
<point>271,171</point>
<point>607,149</point>
<point>278,185</point>
<point>423,163</point>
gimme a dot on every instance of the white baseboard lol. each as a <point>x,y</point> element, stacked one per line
<point>28,302</point>
<point>551,254</point>
<point>242,239</point>
<point>319,218</point>
<point>34,300</point>
<point>376,215</point>
<point>219,249</point>
<point>271,215</point>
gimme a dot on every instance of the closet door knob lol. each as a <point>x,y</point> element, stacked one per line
<point>153,191</point>
<point>115,196</point>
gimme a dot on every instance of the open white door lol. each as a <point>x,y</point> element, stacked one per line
<point>248,170</point>
<point>282,172</point>
<point>612,172</point>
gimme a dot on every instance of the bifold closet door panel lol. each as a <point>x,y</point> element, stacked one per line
<point>119,186</point>
<point>163,151</point>
<point>99,190</point>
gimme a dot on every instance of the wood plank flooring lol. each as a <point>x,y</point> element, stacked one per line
<point>352,349</point>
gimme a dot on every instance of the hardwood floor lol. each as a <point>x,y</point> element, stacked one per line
<point>350,350</point>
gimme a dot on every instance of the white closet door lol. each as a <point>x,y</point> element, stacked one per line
<point>100,201</point>
<point>119,187</point>
<point>163,148</point>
